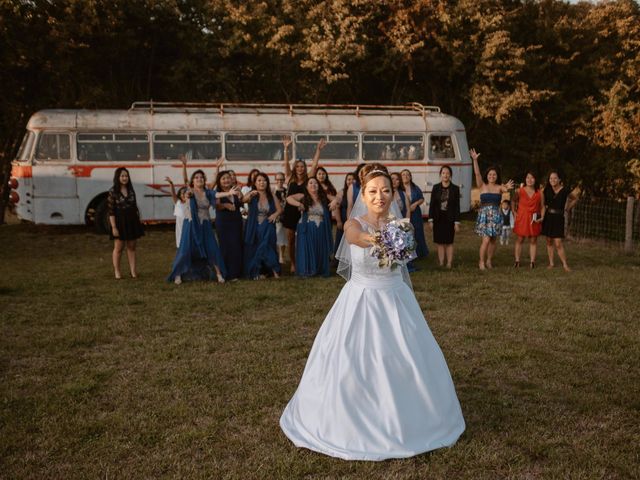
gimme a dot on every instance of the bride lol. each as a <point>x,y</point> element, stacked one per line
<point>376,384</point>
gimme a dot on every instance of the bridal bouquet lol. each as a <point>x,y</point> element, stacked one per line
<point>394,244</point>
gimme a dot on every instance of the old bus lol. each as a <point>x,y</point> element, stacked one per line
<point>65,165</point>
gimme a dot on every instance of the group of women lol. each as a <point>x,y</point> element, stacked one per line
<point>537,212</point>
<point>300,211</point>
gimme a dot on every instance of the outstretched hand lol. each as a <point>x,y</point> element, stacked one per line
<point>322,143</point>
<point>286,141</point>
<point>219,163</point>
<point>168,180</point>
<point>183,159</point>
<point>474,154</point>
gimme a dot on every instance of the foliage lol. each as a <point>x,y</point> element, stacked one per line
<point>537,83</point>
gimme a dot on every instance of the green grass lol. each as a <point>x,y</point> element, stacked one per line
<point>143,379</point>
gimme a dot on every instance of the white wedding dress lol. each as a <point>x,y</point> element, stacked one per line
<point>376,384</point>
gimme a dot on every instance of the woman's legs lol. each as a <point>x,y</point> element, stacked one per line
<point>449,254</point>
<point>533,250</point>
<point>118,246</point>
<point>550,252</point>
<point>291,237</point>
<point>484,246</point>
<point>517,250</point>
<point>491,249</point>
<point>131,256</point>
<point>561,253</point>
<point>441,254</point>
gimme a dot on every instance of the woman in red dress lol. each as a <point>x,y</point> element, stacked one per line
<point>529,209</point>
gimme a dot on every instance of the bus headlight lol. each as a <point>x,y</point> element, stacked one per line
<point>13,183</point>
<point>14,197</point>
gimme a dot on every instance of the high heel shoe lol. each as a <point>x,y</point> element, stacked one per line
<point>532,265</point>
<point>516,264</point>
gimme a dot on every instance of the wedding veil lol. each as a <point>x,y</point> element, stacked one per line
<point>343,253</point>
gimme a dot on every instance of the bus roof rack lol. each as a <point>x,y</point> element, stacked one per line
<point>291,108</point>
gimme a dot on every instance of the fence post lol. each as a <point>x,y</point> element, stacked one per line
<point>628,229</point>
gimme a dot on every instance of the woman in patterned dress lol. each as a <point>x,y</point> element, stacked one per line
<point>489,221</point>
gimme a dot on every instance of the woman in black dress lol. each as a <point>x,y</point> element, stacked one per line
<point>296,180</point>
<point>444,215</point>
<point>229,227</point>
<point>557,199</point>
<point>124,218</point>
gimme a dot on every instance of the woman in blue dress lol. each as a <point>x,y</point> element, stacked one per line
<point>341,213</point>
<point>489,221</point>
<point>398,194</point>
<point>229,227</point>
<point>354,189</point>
<point>416,199</point>
<point>313,233</point>
<point>199,257</point>
<point>260,241</point>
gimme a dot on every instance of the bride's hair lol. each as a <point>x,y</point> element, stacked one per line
<point>371,171</point>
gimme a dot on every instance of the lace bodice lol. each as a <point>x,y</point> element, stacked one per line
<point>315,214</point>
<point>263,212</point>
<point>203,204</point>
<point>365,267</point>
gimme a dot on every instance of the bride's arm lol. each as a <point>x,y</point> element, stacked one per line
<point>355,235</point>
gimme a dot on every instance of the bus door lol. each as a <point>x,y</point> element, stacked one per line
<point>201,149</point>
<point>55,195</point>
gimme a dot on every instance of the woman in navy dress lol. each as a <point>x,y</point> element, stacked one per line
<point>296,180</point>
<point>416,198</point>
<point>354,189</point>
<point>260,241</point>
<point>313,233</point>
<point>398,194</point>
<point>229,227</point>
<point>341,213</point>
<point>489,221</point>
<point>199,257</point>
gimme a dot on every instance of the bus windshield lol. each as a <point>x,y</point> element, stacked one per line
<point>25,148</point>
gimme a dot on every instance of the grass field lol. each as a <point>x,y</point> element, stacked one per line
<point>144,379</point>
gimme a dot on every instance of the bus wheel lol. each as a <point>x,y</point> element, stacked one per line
<point>97,215</point>
<point>101,220</point>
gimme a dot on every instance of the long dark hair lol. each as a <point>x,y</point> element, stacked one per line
<point>498,176</point>
<point>535,178</point>
<point>356,173</point>
<point>194,174</point>
<point>307,201</point>
<point>220,175</point>
<point>268,191</point>
<point>331,190</point>
<point>250,182</point>
<point>345,186</point>
<point>116,181</point>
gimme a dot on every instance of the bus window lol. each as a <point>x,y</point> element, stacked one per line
<point>197,146</point>
<point>127,147</point>
<point>253,147</point>
<point>53,146</point>
<point>441,147</point>
<point>25,148</point>
<point>339,147</point>
<point>393,147</point>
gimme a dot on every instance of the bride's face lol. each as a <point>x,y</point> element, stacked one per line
<point>378,195</point>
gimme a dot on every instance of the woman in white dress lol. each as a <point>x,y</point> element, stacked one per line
<point>376,384</point>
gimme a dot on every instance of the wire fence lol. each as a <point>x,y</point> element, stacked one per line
<point>613,221</point>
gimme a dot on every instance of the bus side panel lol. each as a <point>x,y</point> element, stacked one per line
<point>22,172</point>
